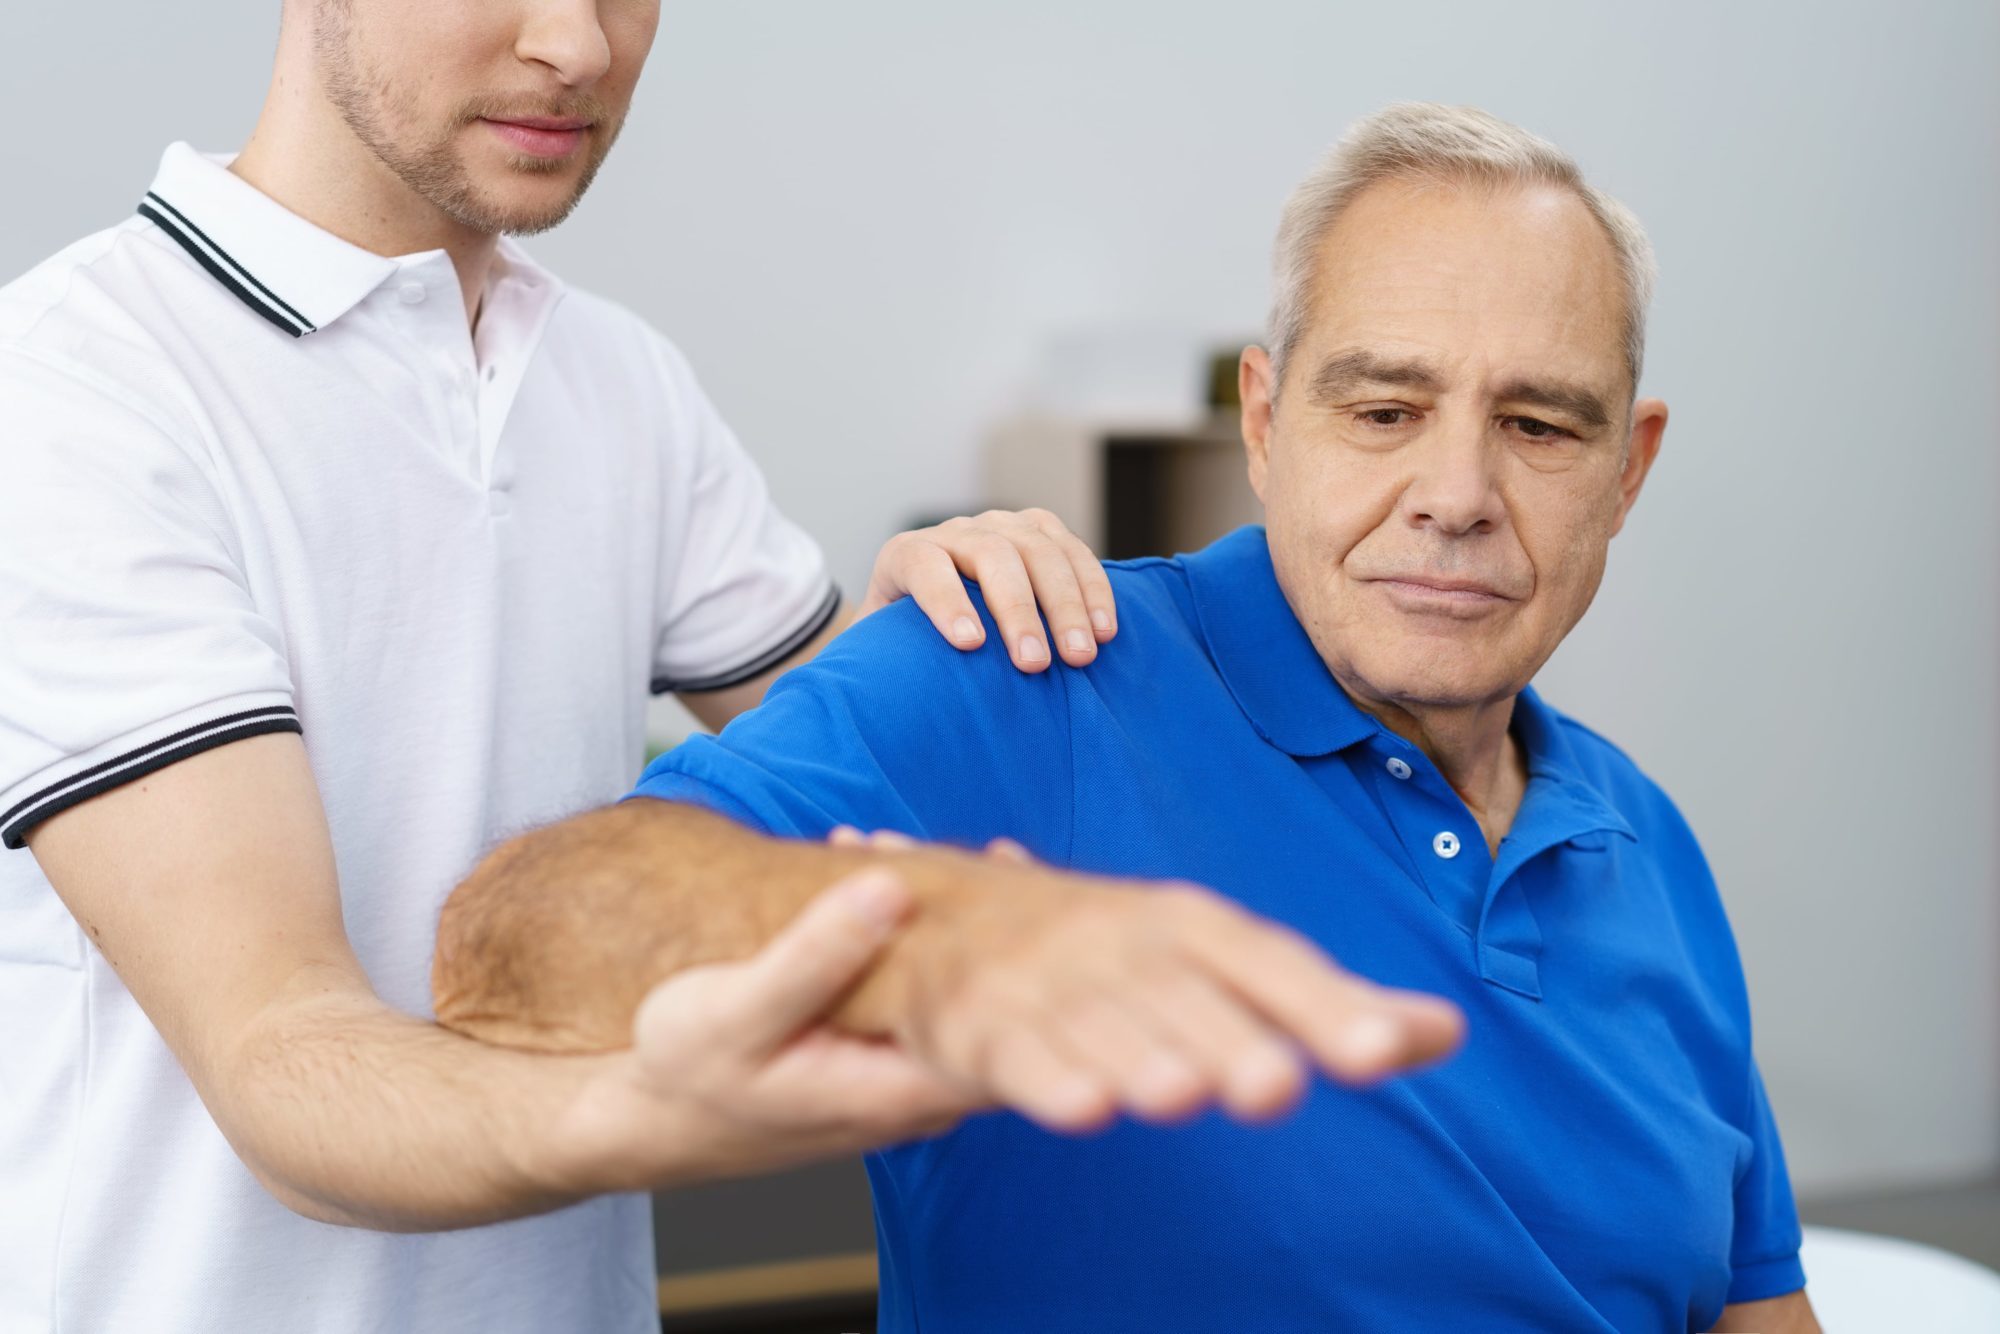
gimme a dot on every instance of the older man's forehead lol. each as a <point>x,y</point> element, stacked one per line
<point>1523,273</point>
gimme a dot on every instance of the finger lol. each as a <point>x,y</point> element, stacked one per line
<point>1098,599</point>
<point>1147,1073</point>
<point>1032,1071</point>
<point>1052,572</point>
<point>889,840</point>
<point>1007,850</point>
<point>1259,1074</point>
<point>881,840</point>
<point>996,564</point>
<point>872,1084</point>
<point>1356,1031</point>
<point>808,967</point>
<point>928,573</point>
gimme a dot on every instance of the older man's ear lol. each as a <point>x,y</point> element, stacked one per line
<point>1257,393</point>
<point>1649,423</point>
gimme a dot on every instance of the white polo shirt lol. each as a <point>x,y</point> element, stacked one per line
<point>255,479</point>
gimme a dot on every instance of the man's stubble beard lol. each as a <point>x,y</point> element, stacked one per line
<point>369,104</point>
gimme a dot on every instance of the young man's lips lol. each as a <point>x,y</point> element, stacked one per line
<point>542,136</point>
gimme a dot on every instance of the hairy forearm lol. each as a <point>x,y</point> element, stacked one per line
<point>352,1113</point>
<point>555,938</point>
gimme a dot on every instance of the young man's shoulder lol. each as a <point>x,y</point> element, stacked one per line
<point>76,334</point>
<point>85,288</point>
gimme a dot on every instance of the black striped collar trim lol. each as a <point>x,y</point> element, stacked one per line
<point>224,268</point>
<point>137,763</point>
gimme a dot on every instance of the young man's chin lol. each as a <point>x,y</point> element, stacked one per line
<point>522,203</point>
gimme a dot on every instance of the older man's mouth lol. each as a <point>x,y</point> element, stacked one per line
<point>1443,596</point>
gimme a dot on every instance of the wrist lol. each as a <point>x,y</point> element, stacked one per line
<point>969,907</point>
<point>615,1131</point>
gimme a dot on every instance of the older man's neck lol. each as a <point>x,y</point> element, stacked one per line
<point>1474,748</point>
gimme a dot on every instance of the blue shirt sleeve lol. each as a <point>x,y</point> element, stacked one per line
<point>1764,1255</point>
<point>892,728</point>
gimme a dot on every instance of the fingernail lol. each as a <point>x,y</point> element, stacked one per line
<point>1077,1101</point>
<point>1371,1041</point>
<point>1101,620</point>
<point>1032,650</point>
<point>878,897</point>
<point>1076,641</point>
<point>965,630</point>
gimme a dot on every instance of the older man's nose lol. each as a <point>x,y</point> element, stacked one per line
<point>1455,489</point>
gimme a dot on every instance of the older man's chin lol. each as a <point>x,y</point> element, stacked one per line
<point>1435,684</point>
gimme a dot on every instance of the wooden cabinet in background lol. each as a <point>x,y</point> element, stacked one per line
<point>1127,488</point>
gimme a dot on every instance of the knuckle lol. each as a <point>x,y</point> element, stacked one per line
<point>986,546</point>
<point>1017,609</point>
<point>1186,900</point>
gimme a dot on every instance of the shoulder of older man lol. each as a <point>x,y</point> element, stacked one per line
<point>1627,787</point>
<point>898,644</point>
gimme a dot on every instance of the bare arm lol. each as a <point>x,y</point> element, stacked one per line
<point>1065,996</point>
<point>1789,1314</point>
<point>209,887</point>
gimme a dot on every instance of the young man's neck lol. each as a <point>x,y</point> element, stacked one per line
<point>303,155</point>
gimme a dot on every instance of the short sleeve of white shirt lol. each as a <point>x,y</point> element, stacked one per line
<point>128,639</point>
<point>742,587</point>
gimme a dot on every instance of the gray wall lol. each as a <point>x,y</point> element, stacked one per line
<point>867,221</point>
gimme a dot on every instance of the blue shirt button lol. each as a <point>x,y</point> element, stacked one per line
<point>1445,844</point>
<point>1398,769</point>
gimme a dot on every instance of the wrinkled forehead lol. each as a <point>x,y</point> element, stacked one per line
<point>1486,283</point>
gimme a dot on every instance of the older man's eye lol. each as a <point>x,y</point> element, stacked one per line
<point>1385,416</point>
<point>1536,429</point>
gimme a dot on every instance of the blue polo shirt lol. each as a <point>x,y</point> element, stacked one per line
<point>1599,1156</point>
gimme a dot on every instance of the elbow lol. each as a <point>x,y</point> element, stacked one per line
<point>514,964</point>
<point>479,947</point>
<point>306,1205</point>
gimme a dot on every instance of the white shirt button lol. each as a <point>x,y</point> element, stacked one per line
<point>1398,769</point>
<point>411,294</point>
<point>1445,844</point>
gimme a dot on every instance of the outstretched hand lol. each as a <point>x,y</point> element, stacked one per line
<point>1073,999</point>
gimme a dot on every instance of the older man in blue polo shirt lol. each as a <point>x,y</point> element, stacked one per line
<point>1328,722</point>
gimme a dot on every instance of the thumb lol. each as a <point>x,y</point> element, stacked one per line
<point>807,967</point>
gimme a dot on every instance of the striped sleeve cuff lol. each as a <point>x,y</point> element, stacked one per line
<point>137,762</point>
<point>764,659</point>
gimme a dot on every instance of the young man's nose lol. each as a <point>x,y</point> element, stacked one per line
<point>567,37</point>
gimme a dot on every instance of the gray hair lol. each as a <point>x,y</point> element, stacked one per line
<point>1428,141</point>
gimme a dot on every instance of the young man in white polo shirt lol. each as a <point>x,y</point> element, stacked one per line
<point>338,540</point>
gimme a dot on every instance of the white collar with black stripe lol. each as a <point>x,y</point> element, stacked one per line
<point>292,272</point>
